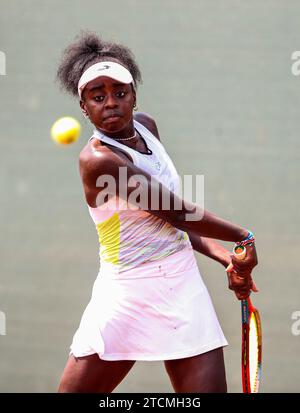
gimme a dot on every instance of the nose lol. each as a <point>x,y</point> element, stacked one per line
<point>110,101</point>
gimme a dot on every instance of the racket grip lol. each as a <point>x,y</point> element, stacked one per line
<point>240,252</point>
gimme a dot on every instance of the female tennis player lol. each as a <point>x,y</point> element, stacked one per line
<point>149,301</point>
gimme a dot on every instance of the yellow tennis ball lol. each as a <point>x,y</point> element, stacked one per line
<point>65,130</point>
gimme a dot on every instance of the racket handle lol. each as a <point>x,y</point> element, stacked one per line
<point>240,254</point>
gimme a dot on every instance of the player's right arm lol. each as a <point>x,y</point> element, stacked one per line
<point>98,161</point>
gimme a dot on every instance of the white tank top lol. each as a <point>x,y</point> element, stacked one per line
<point>129,238</point>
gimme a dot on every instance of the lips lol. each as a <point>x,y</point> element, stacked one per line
<point>112,116</point>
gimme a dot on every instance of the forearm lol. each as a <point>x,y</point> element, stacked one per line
<point>210,248</point>
<point>206,224</point>
<point>143,191</point>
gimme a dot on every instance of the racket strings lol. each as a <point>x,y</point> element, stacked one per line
<point>254,352</point>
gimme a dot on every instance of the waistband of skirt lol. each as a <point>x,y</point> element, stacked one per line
<point>171,265</point>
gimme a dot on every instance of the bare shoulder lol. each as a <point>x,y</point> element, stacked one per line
<point>147,121</point>
<point>99,159</point>
<point>96,160</point>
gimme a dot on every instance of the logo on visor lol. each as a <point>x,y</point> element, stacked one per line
<point>103,67</point>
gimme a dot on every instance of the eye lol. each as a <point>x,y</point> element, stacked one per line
<point>98,98</point>
<point>121,94</point>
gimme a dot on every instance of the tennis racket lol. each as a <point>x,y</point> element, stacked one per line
<point>251,339</point>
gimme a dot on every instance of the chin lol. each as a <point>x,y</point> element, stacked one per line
<point>113,127</point>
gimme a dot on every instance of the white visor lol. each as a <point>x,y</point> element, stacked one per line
<point>110,69</point>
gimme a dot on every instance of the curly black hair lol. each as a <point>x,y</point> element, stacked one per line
<point>88,48</point>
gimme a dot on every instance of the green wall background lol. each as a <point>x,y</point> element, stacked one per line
<point>218,81</point>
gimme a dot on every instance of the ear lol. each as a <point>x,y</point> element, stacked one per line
<point>82,105</point>
<point>134,95</point>
<point>83,109</point>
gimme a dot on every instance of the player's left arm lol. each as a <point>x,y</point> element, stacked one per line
<point>210,248</point>
<point>241,283</point>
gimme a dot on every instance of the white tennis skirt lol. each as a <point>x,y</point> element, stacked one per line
<point>158,311</point>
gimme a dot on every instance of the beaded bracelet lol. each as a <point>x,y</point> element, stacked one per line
<point>249,240</point>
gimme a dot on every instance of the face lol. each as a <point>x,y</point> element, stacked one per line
<point>109,104</point>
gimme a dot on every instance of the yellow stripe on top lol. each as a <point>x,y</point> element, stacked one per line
<point>109,238</point>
